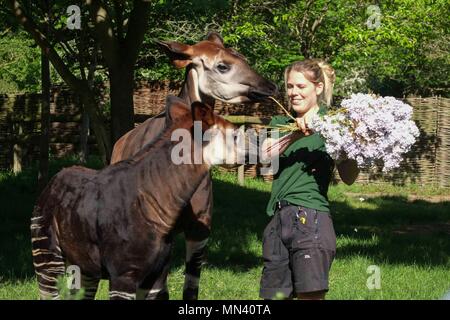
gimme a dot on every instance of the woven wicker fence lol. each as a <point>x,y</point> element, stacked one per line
<point>20,127</point>
<point>427,163</point>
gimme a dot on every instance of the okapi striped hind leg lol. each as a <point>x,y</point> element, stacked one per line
<point>122,288</point>
<point>157,289</point>
<point>47,258</point>
<point>195,258</point>
<point>90,286</point>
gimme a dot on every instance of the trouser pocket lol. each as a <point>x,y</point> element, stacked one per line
<point>271,241</point>
<point>306,229</point>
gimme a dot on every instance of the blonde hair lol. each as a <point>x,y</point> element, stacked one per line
<point>315,70</point>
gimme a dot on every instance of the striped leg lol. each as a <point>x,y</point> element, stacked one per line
<point>154,286</point>
<point>122,288</point>
<point>158,289</point>
<point>197,227</point>
<point>47,258</point>
<point>195,257</point>
<point>90,285</point>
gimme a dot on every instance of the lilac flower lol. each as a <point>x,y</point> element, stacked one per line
<point>368,128</point>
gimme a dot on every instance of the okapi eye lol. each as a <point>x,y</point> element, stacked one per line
<point>222,67</point>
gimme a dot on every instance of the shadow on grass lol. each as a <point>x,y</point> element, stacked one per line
<point>397,231</point>
<point>17,197</point>
<point>239,220</point>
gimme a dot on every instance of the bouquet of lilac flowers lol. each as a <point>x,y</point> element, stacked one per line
<point>367,128</point>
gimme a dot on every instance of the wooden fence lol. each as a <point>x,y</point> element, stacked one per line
<point>427,163</point>
<point>20,127</point>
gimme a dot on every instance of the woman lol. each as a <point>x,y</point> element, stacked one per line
<point>299,242</point>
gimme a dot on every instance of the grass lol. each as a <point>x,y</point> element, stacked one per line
<point>375,225</point>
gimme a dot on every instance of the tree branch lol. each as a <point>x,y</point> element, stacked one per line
<point>104,32</point>
<point>317,23</point>
<point>118,9</point>
<point>44,44</point>
<point>137,26</point>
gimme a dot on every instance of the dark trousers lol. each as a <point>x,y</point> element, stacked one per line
<point>299,245</point>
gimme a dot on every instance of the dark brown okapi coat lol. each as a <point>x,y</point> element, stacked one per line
<point>238,82</point>
<point>113,223</point>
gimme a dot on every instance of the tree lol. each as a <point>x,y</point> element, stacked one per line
<point>19,63</point>
<point>120,38</point>
<point>119,28</point>
<point>33,23</point>
<point>406,52</point>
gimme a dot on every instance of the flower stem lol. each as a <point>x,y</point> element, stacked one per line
<point>287,112</point>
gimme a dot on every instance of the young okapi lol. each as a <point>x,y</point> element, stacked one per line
<point>113,223</point>
<point>212,72</point>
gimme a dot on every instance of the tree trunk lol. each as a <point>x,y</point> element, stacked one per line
<point>84,135</point>
<point>45,123</point>
<point>97,125</point>
<point>44,142</point>
<point>122,105</point>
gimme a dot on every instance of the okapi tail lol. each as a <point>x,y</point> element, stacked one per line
<point>47,256</point>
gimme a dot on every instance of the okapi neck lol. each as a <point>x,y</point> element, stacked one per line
<point>165,186</point>
<point>190,91</point>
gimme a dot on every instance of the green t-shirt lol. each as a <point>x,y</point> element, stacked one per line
<point>304,174</point>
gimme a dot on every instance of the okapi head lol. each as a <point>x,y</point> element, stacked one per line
<point>215,140</point>
<point>218,72</point>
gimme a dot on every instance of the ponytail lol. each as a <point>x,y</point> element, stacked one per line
<point>329,77</point>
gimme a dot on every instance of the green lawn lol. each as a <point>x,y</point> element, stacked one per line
<point>406,237</point>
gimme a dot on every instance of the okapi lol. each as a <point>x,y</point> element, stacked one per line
<point>212,72</point>
<point>113,223</point>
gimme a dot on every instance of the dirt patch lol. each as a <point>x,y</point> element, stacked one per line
<point>409,198</point>
<point>423,229</point>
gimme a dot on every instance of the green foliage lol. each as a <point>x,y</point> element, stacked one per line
<point>402,55</point>
<point>65,293</point>
<point>408,53</point>
<point>19,64</point>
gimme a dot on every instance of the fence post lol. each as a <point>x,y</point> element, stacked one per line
<point>17,148</point>
<point>241,178</point>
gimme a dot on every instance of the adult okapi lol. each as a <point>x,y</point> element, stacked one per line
<point>112,223</point>
<point>212,72</point>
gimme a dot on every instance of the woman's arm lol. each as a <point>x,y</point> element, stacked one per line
<point>272,148</point>
<point>348,171</point>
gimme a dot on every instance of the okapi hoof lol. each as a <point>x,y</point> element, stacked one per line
<point>162,295</point>
<point>190,294</point>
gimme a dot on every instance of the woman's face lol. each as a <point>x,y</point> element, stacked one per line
<point>302,93</point>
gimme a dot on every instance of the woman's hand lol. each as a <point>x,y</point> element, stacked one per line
<point>348,170</point>
<point>303,126</point>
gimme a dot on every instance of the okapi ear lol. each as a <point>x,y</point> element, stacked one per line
<point>175,108</point>
<point>179,53</point>
<point>215,37</point>
<point>204,113</point>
